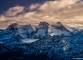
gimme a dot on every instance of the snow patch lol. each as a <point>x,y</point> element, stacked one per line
<point>29,40</point>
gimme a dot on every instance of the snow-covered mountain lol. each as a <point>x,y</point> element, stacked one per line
<point>13,27</point>
<point>26,31</point>
<point>15,31</point>
<point>59,29</point>
<point>52,42</point>
<point>42,30</point>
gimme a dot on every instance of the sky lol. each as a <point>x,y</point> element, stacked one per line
<point>68,12</point>
<point>6,4</point>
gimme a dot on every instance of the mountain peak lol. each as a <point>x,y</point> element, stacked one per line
<point>42,29</point>
<point>13,27</point>
<point>43,25</point>
<point>58,22</point>
<point>60,26</point>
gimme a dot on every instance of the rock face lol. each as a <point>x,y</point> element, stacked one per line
<point>42,29</point>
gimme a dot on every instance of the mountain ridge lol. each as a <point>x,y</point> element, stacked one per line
<point>43,30</point>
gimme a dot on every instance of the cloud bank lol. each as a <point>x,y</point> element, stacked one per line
<point>65,11</point>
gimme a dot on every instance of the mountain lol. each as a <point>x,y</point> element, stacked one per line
<point>60,26</point>
<point>13,27</point>
<point>26,31</point>
<point>22,42</point>
<point>59,29</point>
<point>9,33</point>
<point>42,29</point>
<point>15,31</point>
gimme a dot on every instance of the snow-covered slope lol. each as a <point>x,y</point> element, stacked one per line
<point>25,31</point>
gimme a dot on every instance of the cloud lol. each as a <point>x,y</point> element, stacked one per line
<point>34,6</point>
<point>2,18</point>
<point>57,4</point>
<point>65,11</point>
<point>14,11</point>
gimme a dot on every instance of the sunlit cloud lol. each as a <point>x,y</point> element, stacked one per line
<point>34,6</point>
<point>14,11</point>
<point>65,11</point>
